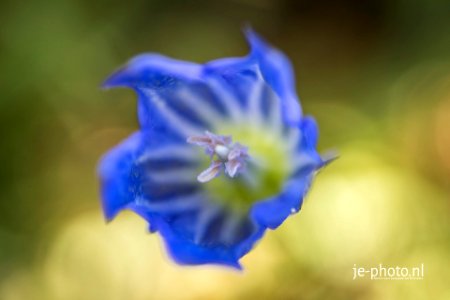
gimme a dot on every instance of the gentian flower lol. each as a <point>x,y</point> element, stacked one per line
<point>223,152</point>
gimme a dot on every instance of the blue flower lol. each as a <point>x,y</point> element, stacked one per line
<point>223,152</point>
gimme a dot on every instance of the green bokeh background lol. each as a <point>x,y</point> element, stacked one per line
<point>375,74</point>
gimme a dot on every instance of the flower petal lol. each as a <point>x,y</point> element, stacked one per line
<point>186,251</point>
<point>152,71</point>
<point>118,185</point>
<point>277,71</point>
<point>272,212</point>
<point>136,168</point>
<point>201,234</point>
<point>306,161</point>
<point>172,94</point>
<point>245,94</point>
<point>310,132</point>
<point>253,80</point>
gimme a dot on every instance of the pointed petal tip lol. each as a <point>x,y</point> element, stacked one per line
<point>108,216</point>
<point>255,41</point>
<point>122,76</point>
<point>234,265</point>
<point>248,31</point>
<point>106,85</point>
<point>114,80</point>
<point>237,267</point>
<point>110,211</point>
<point>328,158</point>
<point>107,219</point>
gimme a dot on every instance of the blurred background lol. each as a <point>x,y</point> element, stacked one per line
<point>375,74</point>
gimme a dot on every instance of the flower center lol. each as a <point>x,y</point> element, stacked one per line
<point>225,155</point>
<point>248,178</point>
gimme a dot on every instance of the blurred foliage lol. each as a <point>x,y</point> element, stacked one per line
<point>376,74</point>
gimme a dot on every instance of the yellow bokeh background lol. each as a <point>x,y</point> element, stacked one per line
<point>375,74</point>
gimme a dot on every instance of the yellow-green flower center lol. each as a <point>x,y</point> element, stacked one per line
<point>266,170</point>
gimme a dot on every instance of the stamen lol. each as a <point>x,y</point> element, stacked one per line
<point>223,153</point>
<point>210,173</point>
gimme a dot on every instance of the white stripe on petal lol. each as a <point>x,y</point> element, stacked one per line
<point>173,175</point>
<point>179,123</point>
<point>292,138</point>
<point>227,98</point>
<point>229,229</point>
<point>203,109</point>
<point>172,205</point>
<point>274,118</point>
<point>207,215</point>
<point>254,101</point>
<point>170,152</point>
